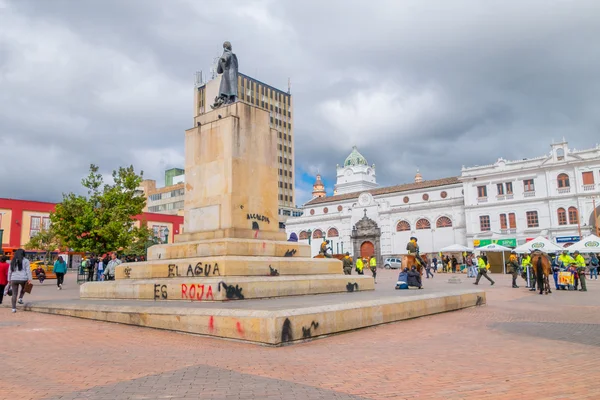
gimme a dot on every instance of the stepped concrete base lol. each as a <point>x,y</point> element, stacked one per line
<point>270,322</point>
<point>230,233</point>
<point>228,247</point>
<point>223,289</point>
<point>214,267</point>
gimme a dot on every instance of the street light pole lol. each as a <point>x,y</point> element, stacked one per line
<point>595,216</point>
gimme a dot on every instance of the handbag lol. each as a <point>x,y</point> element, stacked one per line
<point>28,287</point>
<point>9,290</point>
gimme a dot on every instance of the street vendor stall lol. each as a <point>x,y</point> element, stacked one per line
<point>496,248</point>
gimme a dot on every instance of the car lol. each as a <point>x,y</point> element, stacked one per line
<point>392,263</point>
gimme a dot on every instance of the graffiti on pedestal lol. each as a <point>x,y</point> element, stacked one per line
<point>286,331</point>
<point>351,287</point>
<point>307,332</point>
<point>196,291</point>
<point>231,292</point>
<point>199,270</point>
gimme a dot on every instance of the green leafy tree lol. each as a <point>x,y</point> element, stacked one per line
<point>101,221</point>
<point>143,238</point>
<point>46,240</point>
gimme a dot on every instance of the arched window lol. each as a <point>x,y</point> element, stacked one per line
<point>443,222</point>
<point>423,224</point>
<point>303,235</point>
<point>333,233</point>
<point>318,234</point>
<point>573,215</point>
<point>562,216</point>
<point>403,226</point>
<point>563,181</point>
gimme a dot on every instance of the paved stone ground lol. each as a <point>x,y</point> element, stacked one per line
<point>520,346</point>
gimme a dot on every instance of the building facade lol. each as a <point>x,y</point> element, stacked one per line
<point>280,106</point>
<point>22,219</point>
<point>433,211</point>
<point>552,195</point>
<point>168,199</point>
<point>508,202</point>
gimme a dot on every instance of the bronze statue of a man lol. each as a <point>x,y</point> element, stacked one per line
<point>228,66</point>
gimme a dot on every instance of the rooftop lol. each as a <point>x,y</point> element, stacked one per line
<point>387,190</point>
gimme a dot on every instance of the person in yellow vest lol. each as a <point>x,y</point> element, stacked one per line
<point>373,267</point>
<point>359,266</point>
<point>513,268</point>
<point>413,249</point>
<point>347,262</point>
<point>580,264</point>
<point>526,263</point>
<point>482,271</point>
<point>324,249</point>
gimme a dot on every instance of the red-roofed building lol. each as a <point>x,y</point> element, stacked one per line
<point>21,219</point>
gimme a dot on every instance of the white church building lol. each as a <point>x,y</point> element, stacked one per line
<point>556,195</point>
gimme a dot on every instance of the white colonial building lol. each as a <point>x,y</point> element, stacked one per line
<point>553,196</point>
<point>432,210</point>
<point>356,175</point>
<point>507,202</point>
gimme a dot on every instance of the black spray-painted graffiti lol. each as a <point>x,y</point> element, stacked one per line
<point>286,331</point>
<point>479,301</point>
<point>255,226</point>
<point>231,292</point>
<point>160,291</point>
<point>273,272</point>
<point>127,271</point>
<point>290,253</point>
<point>351,287</point>
<point>199,270</point>
<point>258,217</point>
<point>306,332</point>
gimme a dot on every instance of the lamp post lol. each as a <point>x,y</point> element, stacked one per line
<point>166,232</point>
<point>309,236</point>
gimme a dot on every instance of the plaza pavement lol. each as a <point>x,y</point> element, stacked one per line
<point>519,346</point>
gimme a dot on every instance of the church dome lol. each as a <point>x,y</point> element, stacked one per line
<point>355,158</point>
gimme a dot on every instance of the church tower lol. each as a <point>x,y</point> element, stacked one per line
<point>355,175</point>
<point>318,188</point>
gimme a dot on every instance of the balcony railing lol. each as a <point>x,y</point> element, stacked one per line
<point>530,193</point>
<point>482,199</point>
<point>509,196</point>
<point>500,197</point>
<point>564,190</point>
<point>589,188</point>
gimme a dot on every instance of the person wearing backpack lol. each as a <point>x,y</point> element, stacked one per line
<point>594,266</point>
<point>19,274</point>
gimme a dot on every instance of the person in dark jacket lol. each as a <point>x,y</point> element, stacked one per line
<point>414,278</point>
<point>402,279</point>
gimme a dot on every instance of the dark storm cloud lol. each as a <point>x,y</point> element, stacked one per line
<point>432,85</point>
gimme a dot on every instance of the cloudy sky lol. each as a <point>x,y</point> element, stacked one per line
<point>414,84</point>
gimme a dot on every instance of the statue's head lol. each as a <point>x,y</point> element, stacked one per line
<point>227,45</point>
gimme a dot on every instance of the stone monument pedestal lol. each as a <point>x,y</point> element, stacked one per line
<point>231,248</point>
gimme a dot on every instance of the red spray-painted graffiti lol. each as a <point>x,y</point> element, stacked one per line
<point>196,291</point>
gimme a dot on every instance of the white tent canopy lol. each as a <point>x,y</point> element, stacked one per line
<point>539,243</point>
<point>589,244</point>
<point>494,248</point>
<point>455,248</point>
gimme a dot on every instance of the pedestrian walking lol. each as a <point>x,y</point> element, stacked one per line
<point>4,266</point>
<point>594,266</point>
<point>373,267</point>
<point>60,269</point>
<point>100,269</point>
<point>109,274</point>
<point>482,266</point>
<point>428,270</point>
<point>435,264</point>
<point>91,265</point>
<point>347,263</point>
<point>19,274</point>
<point>580,264</point>
<point>513,268</point>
